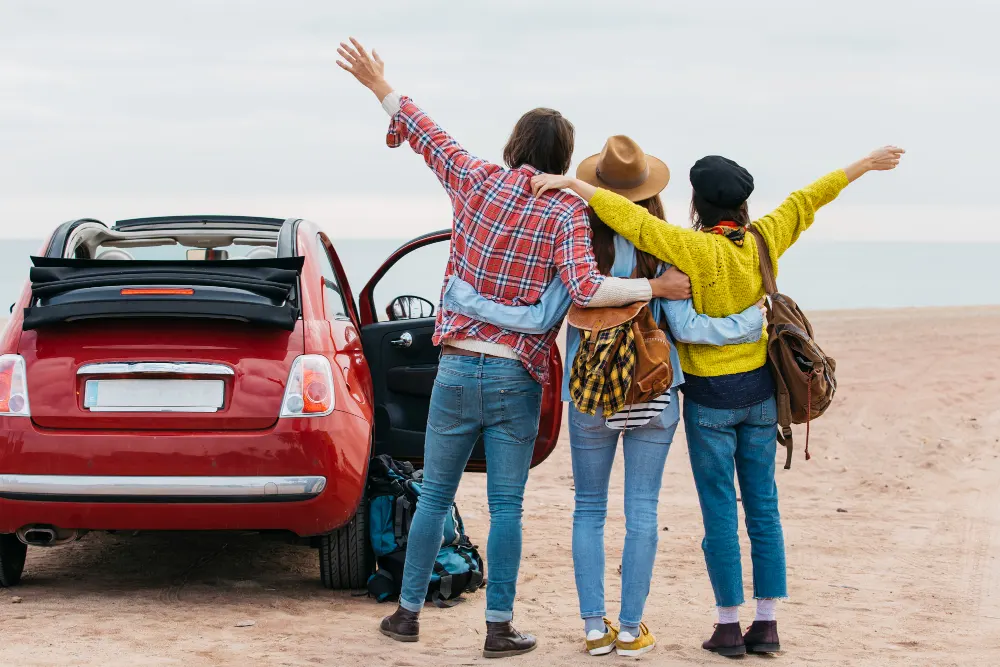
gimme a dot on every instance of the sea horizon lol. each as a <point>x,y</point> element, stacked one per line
<point>818,274</point>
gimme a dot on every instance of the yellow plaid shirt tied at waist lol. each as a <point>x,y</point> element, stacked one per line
<point>602,371</point>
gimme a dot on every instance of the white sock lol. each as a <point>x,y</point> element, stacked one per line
<point>767,609</point>
<point>729,615</point>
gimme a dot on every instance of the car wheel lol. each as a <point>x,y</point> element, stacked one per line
<point>12,553</point>
<point>345,560</point>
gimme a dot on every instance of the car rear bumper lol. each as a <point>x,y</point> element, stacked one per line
<point>83,488</point>
<point>304,475</point>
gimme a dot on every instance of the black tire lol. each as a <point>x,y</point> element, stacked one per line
<point>345,559</point>
<point>12,553</point>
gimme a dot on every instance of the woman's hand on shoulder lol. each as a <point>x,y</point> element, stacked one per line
<point>544,182</point>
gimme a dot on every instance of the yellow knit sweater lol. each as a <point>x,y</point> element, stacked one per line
<point>725,277</point>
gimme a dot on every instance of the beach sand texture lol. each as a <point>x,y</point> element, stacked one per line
<point>892,532</point>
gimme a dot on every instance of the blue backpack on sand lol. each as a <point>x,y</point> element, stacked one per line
<point>393,493</point>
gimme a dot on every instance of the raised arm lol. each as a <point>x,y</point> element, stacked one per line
<point>782,227</point>
<point>452,164</point>
<point>688,326</point>
<point>675,245</point>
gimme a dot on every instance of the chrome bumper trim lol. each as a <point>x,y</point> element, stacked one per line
<point>155,368</point>
<point>151,489</point>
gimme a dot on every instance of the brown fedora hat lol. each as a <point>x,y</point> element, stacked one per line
<point>622,167</point>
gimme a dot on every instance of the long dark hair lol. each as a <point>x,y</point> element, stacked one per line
<point>705,215</point>
<point>603,241</point>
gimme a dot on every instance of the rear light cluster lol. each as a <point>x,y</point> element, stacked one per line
<point>310,388</point>
<point>13,387</point>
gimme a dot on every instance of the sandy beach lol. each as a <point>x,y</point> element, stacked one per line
<point>892,532</point>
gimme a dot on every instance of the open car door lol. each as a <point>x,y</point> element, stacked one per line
<point>397,309</point>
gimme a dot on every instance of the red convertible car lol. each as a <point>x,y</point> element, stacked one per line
<point>210,373</point>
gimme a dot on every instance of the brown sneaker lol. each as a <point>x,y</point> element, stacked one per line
<point>403,626</point>
<point>762,637</point>
<point>503,641</point>
<point>727,640</point>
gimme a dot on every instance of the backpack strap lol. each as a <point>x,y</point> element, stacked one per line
<point>401,527</point>
<point>770,289</point>
<point>766,268</point>
<point>475,572</point>
<point>785,438</point>
<point>442,596</point>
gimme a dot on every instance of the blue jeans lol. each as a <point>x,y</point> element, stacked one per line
<point>472,397</point>
<point>740,441</point>
<point>593,446</point>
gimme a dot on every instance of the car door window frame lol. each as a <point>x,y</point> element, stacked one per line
<point>339,285</point>
<point>369,314</point>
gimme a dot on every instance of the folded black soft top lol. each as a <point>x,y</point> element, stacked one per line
<point>260,291</point>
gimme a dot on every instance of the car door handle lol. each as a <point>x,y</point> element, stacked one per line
<point>404,340</point>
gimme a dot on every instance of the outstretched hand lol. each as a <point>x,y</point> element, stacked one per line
<point>367,69</point>
<point>885,158</point>
<point>881,159</point>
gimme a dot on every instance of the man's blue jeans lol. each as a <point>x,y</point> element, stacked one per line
<point>721,443</point>
<point>472,397</point>
<point>593,446</point>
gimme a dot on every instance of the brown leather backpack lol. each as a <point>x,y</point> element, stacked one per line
<point>804,376</point>
<point>653,374</point>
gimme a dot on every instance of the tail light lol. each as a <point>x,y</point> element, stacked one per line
<point>13,387</point>
<point>309,392</point>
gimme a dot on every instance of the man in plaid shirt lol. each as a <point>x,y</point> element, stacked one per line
<point>509,245</point>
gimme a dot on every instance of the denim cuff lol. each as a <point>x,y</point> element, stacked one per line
<point>499,616</point>
<point>415,607</point>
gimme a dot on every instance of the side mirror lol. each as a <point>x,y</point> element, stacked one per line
<point>409,307</point>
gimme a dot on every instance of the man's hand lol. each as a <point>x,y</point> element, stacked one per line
<point>673,285</point>
<point>369,70</point>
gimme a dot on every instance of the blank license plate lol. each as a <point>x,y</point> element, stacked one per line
<point>154,395</point>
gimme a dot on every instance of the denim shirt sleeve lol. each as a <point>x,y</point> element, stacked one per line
<point>461,297</point>
<point>688,326</point>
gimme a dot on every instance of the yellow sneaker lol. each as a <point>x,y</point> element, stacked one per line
<point>602,643</point>
<point>633,647</point>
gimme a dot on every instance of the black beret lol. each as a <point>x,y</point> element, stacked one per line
<point>721,182</point>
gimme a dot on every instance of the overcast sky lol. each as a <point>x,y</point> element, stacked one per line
<point>120,108</point>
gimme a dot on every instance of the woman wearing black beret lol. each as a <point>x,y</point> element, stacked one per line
<point>729,408</point>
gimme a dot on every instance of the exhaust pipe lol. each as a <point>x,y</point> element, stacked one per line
<point>47,536</point>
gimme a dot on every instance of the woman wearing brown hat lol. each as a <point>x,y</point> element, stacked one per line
<point>729,407</point>
<point>646,430</point>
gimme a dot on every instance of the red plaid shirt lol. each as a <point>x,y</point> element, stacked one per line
<point>506,243</point>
